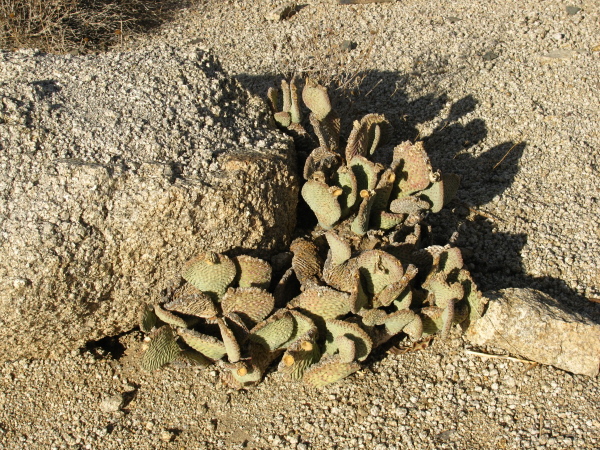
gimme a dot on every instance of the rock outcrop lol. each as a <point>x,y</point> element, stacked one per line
<point>116,169</point>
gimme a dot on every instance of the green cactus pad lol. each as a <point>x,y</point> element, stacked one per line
<point>417,173</point>
<point>273,332</point>
<point>384,220</point>
<point>339,250</point>
<point>316,99</point>
<point>379,131</point>
<point>383,190</point>
<point>169,317</point>
<point>378,269</point>
<point>252,304</point>
<point>322,301</point>
<point>147,318</point>
<point>443,291</point>
<point>362,340</point>
<point>432,319</point>
<point>306,262</point>
<point>346,348</point>
<point>209,346</point>
<point>323,201</point>
<point>366,173</point>
<point>283,118</point>
<point>163,349</point>
<point>191,301</point>
<point>408,205</point>
<point>252,272</point>
<point>449,260</point>
<point>211,273</point>
<point>447,318</point>
<point>247,374</point>
<point>329,370</point>
<point>237,325</point>
<point>415,328</point>
<point>345,178</point>
<point>360,224</point>
<point>299,356</point>
<point>404,300</point>
<point>396,321</point>
<point>294,104</point>
<point>393,290</point>
<point>232,347</point>
<point>327,131</point>
<point>374,317</point>
<point>304,328</point>
<point>477,302</point>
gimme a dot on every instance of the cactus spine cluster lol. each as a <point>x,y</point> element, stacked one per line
<point>365,273</point>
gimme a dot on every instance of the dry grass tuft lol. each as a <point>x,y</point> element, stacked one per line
<point>60,26</point>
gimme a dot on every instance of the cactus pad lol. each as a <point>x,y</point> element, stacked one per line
<point>211,273</point>
<point>329,370</point>
<point>323,201</point>
<point>316,99</point>
<point>362,341</point>
<point>360,224</point>
<point>322,301</point>
<point>273,332</point>
<point>251,272</point>
<point>191,301</point>
<point>147,318</point>
<point>366,172</point>
<point>327,130</point>
<point>306,262</point>
<point>162,350</point>
<point>416,169</point>
<point>209,346</point>
<point>299,356</point>
<point>339,250</point>
<point>345,178</point>
<point>378,269</point>
<point>169,317</point>
<point>252,304</point>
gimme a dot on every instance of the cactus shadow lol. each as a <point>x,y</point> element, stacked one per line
<point>455,145</point>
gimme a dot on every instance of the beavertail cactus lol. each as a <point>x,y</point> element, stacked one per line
<point>363,276</point>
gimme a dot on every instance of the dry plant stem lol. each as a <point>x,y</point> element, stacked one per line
<point>64,25</point>
<point>505,155</point>
<point>488,355</point>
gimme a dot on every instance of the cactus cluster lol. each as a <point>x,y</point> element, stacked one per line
<point>365,273</point>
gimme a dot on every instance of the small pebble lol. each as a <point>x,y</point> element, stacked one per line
<point>112,403</point>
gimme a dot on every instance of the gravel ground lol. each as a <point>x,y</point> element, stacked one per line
<point>505,93</point>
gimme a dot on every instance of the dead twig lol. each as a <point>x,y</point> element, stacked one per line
<point>509,358</point>
<point>505,155</point>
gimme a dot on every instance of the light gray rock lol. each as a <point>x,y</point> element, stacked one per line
<point>115,170</point>
<point>537,327</point>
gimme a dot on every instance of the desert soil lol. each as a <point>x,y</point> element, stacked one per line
<point>504,93</point>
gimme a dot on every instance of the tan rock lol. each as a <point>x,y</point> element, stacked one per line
<point>537,327</point>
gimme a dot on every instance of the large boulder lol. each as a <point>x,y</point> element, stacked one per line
<point>116,169</point>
